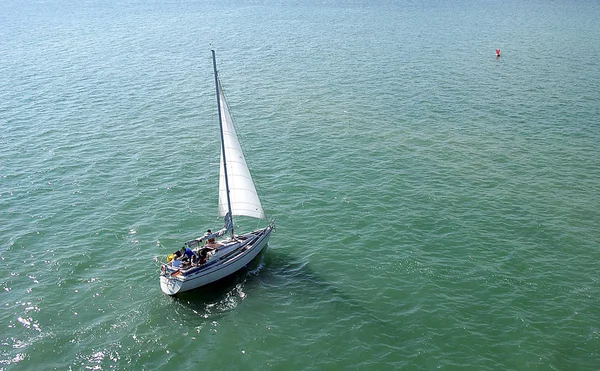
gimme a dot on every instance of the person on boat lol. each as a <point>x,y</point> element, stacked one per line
<point>203,256</point>
<point>209,245</point>
<point>211,241</point>
<point>187,255</point>
<point>177,254</point>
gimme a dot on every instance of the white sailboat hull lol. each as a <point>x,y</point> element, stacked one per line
<point>231,258</point>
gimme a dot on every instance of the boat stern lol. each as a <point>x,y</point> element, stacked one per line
<point>169,285</point>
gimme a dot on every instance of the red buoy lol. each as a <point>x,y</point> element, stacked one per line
<point>497,52</point>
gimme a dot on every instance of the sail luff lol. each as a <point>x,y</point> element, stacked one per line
<point>237,192</point>
<point>243,197</point>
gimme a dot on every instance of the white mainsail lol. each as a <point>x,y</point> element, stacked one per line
<point>242,192</point>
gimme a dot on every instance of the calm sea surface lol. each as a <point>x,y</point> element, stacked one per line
<point>436,207</point>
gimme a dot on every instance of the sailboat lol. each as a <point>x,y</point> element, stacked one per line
<point>220,254</point>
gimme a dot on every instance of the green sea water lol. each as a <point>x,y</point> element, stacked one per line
<point>436,207</point>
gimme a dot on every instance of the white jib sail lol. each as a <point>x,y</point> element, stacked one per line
<point>242,192</point>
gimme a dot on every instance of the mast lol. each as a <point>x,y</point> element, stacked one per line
<point>222,139</point>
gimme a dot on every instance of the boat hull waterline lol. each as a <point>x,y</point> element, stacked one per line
<point>230,258</point>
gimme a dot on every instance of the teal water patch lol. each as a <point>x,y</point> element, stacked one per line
<point>436,206</point>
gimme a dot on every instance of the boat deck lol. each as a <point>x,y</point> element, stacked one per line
<point>223,250</point>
